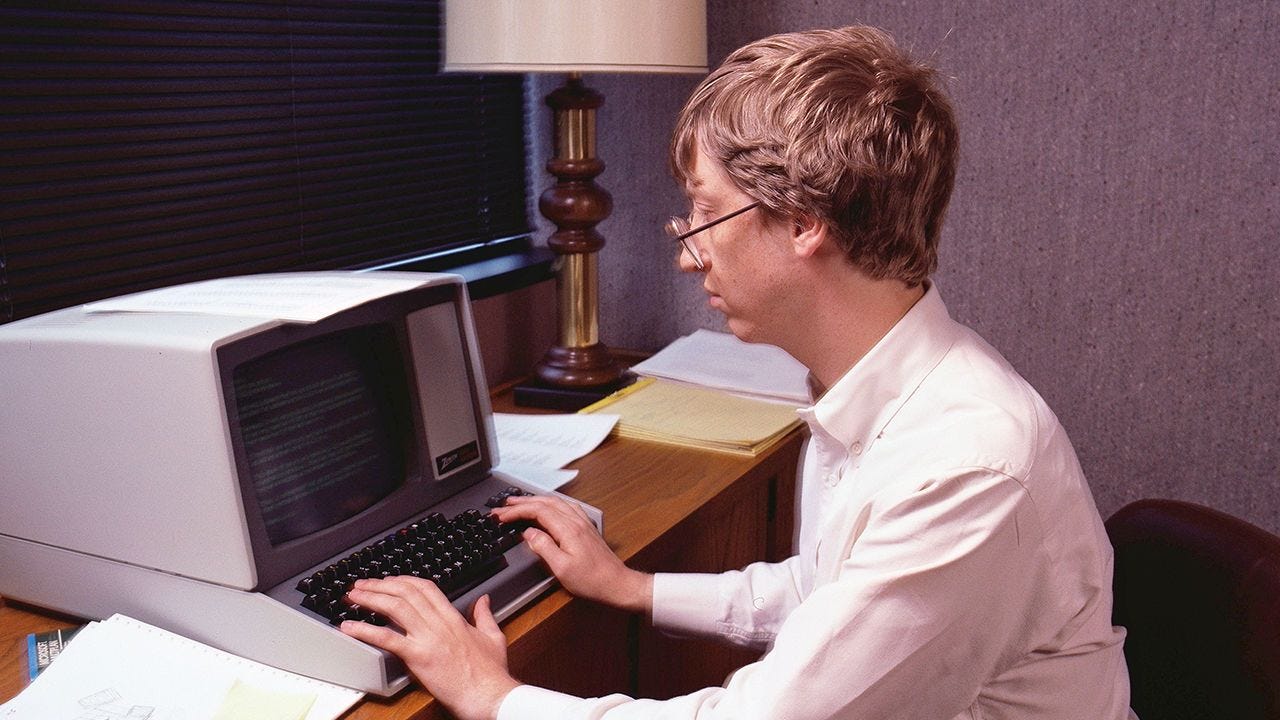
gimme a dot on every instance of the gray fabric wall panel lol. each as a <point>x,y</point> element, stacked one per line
<point>1114,230</point>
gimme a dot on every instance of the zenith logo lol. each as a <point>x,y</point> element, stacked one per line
<point>457,458</point>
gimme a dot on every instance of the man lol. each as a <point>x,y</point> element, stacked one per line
<point>951,561</point>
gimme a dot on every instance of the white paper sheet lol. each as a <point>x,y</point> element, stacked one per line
<point>722,361</point>
<point>548,441</point>
<point>545,478</point>
<point>305,297</point>
<point>122,668</point>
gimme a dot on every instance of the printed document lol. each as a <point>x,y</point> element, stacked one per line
<point>123,668</point>
<point>536,447</point>
<point>300,297</point>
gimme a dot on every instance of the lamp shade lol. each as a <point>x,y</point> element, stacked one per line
<point>646,36</point>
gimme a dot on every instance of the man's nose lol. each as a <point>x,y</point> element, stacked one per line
<point>687,264</point>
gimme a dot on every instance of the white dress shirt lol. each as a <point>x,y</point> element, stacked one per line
<point>951,561</point>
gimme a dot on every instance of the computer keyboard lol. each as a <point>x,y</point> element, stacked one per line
<point>457,554</point>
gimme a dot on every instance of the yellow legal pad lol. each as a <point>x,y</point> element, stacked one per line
<point>696,417</point>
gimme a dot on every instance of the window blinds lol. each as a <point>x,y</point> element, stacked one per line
<point>149,142</point>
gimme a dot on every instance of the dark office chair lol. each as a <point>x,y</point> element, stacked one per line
<point>1199,592</point>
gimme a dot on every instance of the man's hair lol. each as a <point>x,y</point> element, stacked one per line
<point>840,125</point>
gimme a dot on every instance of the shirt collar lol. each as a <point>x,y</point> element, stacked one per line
<point>859,405</point>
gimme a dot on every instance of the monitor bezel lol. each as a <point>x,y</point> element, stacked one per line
<point>420,488</point>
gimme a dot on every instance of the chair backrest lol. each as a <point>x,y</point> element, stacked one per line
<point>1199,593</point>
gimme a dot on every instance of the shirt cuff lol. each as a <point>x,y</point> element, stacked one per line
<point>687,603</point>
<point>527,702</point>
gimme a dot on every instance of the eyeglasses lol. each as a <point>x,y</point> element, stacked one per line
<point>678,228</point>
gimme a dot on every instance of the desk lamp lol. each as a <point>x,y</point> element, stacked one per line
<point>575,37</point>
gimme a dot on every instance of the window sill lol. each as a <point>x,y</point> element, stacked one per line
<point>489,270</point>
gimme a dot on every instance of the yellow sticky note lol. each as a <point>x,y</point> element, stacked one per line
<point>249,702</point>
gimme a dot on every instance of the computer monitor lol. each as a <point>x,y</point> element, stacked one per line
<point>187,468</point>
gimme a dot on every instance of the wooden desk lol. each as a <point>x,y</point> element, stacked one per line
<point>665,508</point>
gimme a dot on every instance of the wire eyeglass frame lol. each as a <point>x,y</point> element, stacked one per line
<point>679,228</point>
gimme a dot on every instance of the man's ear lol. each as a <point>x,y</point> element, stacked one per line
<point>808,234</point>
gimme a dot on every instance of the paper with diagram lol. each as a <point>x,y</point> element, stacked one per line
<point>123,669</point>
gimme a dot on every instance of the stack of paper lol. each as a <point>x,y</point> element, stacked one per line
<point>722,361</point>
<point>691,416</point>
<point>123,668</point>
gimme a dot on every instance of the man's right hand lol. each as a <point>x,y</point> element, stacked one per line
<point>576,554</point>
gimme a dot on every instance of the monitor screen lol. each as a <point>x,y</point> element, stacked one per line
<point>326,428</point>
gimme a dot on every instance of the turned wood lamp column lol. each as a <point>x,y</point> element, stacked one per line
<point>575,36</point>
<point>576,204</point>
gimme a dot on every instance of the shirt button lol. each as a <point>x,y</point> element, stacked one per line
<point>831,480</point>
<point>857,447</point>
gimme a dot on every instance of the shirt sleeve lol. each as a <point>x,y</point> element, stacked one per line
<point>745,607</point>
<point>527,702</point>
<point>926,607</point>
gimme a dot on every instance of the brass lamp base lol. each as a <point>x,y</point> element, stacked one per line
<point>579,369</point>
<point>568,399</point>
<point>572,378</point>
